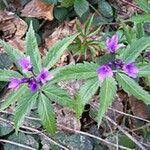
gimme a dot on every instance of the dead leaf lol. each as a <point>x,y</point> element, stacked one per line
<point>66,117</point>
<point>138,108</point>
<point>11,26</point>
<point>66,29</point>
<point>38,9</point>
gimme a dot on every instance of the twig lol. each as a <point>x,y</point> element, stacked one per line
<point>125,132</point>
<point>68,129</point>
<point>35,130</point>
<point>17,144</point>
<point>136,117</point>
<point>92,136</point>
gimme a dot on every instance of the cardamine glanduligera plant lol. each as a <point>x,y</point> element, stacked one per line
<point>118,68</point>
<point>32,84</point>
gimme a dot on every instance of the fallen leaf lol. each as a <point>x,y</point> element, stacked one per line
<point>38,9</point>
<point>66,118</point>
<point>12,29</point>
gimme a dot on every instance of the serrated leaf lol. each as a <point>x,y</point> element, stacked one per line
<point>46,114</point>
<point>107,93</point>
<point>131,87</point>
<point>79,71</point>
<point>5,75</point>
<point>13,97</point>
<point>144,5</point>
<point>58,95</point>
<point>144,70</point>
<point>81,6</point>
<point>131,53</point>
<point>13,53</point>
<point>88,90</point>
<point>32,49</point>
<point>23,108</point>
<point>56,51</point>
<point>88,25</point>
<point>140,18</point>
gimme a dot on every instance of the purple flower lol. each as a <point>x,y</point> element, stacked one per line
<point>104,71</point>
<point>33,85</point>
<point>112,44</point>
<point>44,76</point>
<point>25,63</point>
<point>131,70</point>
<point>148,54</point>
<point>14,83</point>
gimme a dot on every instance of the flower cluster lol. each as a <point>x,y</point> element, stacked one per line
<point>106,70</point>
<point>34,82</point>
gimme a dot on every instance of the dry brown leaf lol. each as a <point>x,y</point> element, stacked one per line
<point>138,108</point>
<point>66,117</point>
<point>12,29</point>
<point>38,9</point>
<point>66,29</point>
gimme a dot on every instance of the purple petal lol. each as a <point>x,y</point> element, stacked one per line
<point>112,44</point>
<point>148,54</point>
<point>25,63</point>
<point>131,70</point>
<point>44,76</point>
<point>33,85</point>
<point>14,83</point>
<point>104,71</point>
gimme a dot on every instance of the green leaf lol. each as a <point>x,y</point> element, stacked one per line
<point>66,3</point>
<point>144,5</point>
<point>61,13</point>
<point>58,95</point>
<point>79,71</point>
<point>13,97</point>
<point>132,52</point>
<point>13,53</point>
<point>81,6</point>
<point>144,70</point>
<point>55,52</point>
<point>105,9</point>
<point>131,87</point>
<point>46,114</point>
<point>107,94</point>
<point>88,25</point>
<point>88,90</point>
<point>140,18</point>
<point>32,49</point>
<point>23,108</point>
<point>5,75</point>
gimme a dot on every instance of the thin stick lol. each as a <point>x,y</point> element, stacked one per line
<point>40,132</point>
<point>17,144</point>
<point>136,117</point>
<point>125,132</point>
<point>92,136</point>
